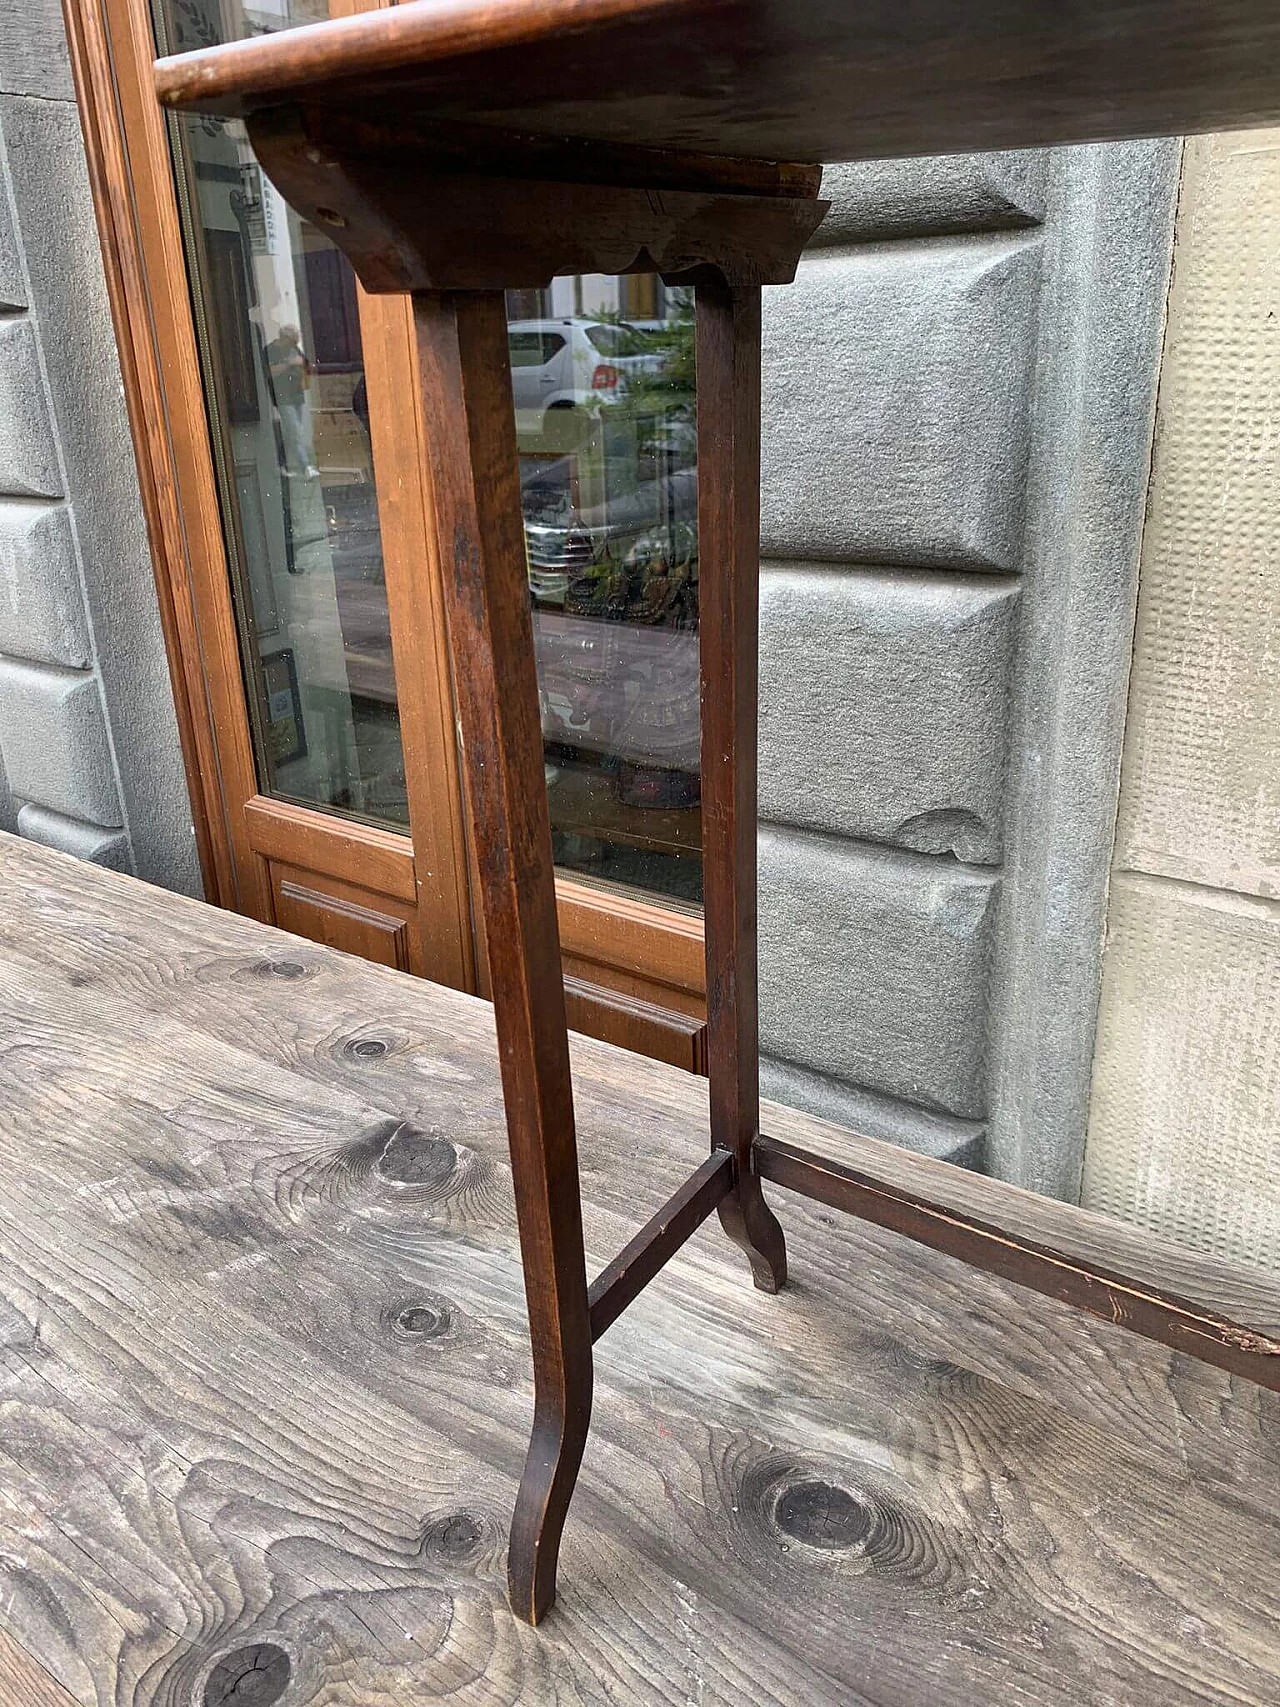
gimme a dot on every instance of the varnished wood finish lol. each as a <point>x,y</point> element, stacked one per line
<point>437,228</point>
<point>633,1023</point>
<point>23,1683</point>
<point>238,830</point>
<point>1002,1243</point>
<point>645,1256</point>
<point>265,1379</point>
<point>637,949</point>
<point>379,859</point>
<point>466,395</point>
<point>480,150</point>
<point>340,916</point>
<point>782,79</point>
<point>605,928</point>
<point>728,361</point>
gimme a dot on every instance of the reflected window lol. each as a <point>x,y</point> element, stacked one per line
<point>602,373</point>
<point>279,330</point>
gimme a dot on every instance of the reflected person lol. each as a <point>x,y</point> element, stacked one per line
<point>290,373</point>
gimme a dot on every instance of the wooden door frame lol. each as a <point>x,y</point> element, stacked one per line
<point>636,967</point>
<point>239,830</point>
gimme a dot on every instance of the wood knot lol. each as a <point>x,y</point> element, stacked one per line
<point>288,969</point>
<point>254,1676</point>
<point>822,1514</point>
<point>365,1049</point>
<point>422,1318</point>
<point>938,1372</point>
<point>414,1157</point>
<point>463,1540</point>
<point>461,1535</point>
<point>818,1520</point>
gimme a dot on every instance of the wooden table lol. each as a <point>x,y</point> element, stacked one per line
<point>266,1381</point>
<point>457,150</point>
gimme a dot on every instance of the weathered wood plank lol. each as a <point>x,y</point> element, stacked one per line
<point>317,1456</point>
<point>300,1025</point>
<point>362,1029</point>
<point>264,1381</point>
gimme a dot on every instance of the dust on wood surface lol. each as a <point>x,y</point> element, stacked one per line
<point>265,1384</point>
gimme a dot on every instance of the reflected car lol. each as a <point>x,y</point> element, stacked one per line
<point>566,543</point>
<point>572,363</point>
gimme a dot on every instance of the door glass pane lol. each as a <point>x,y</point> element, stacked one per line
<point>602,371</point>
<point>284,378</point>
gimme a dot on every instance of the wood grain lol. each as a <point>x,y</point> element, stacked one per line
<point>1001,1244</point>
<point>265,1381</point>
<point>776,79</point>
<point>23,1683</point>
<point>629,935</point>
<point>727,330</point>
<point>381,861</point>
<point>408,222</point>
<point>479,541</point>
<point>632,1023</point>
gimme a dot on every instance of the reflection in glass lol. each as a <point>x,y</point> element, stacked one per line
<point>602,371</point>
<point>284,377</point>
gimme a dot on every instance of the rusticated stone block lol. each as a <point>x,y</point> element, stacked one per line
<point>932,195</point>
<point>33,51</point>
<point>13,289</point>
<point>28,459</point>
<point>84,841</point>
<point>68,293</point>
<point>41,605</point>
<point>883,704</point>
<point>896,382</point>
<point>874,1116</point>
<point>54,740</point>
<point>873,967</point>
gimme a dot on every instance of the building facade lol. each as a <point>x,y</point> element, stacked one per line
<point>222,665</point>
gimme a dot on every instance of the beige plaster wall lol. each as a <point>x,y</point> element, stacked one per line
<point>1184,1130</point>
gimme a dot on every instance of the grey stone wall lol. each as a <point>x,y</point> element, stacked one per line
<point>958,401</point>
<point>89,753</point>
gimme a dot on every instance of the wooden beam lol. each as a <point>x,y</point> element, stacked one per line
<point>408,220</point>
<point>999,1247</point>
<point>728,365</point>
<point>658,1240</point>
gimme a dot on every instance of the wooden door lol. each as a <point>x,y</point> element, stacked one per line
<point>267,622</point>
<point>395,892</point>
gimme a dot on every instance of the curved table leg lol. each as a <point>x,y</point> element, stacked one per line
<point>466,390</point>
<point>560,1424</point>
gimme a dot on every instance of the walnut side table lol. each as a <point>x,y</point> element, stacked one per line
<point>457,148</point>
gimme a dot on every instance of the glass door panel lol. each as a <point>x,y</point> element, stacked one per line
<point>279,333</point>
<point>602,373</point>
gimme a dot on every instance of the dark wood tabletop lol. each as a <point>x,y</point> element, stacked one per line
<point>265,1382</point>
<point>796,80</point>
